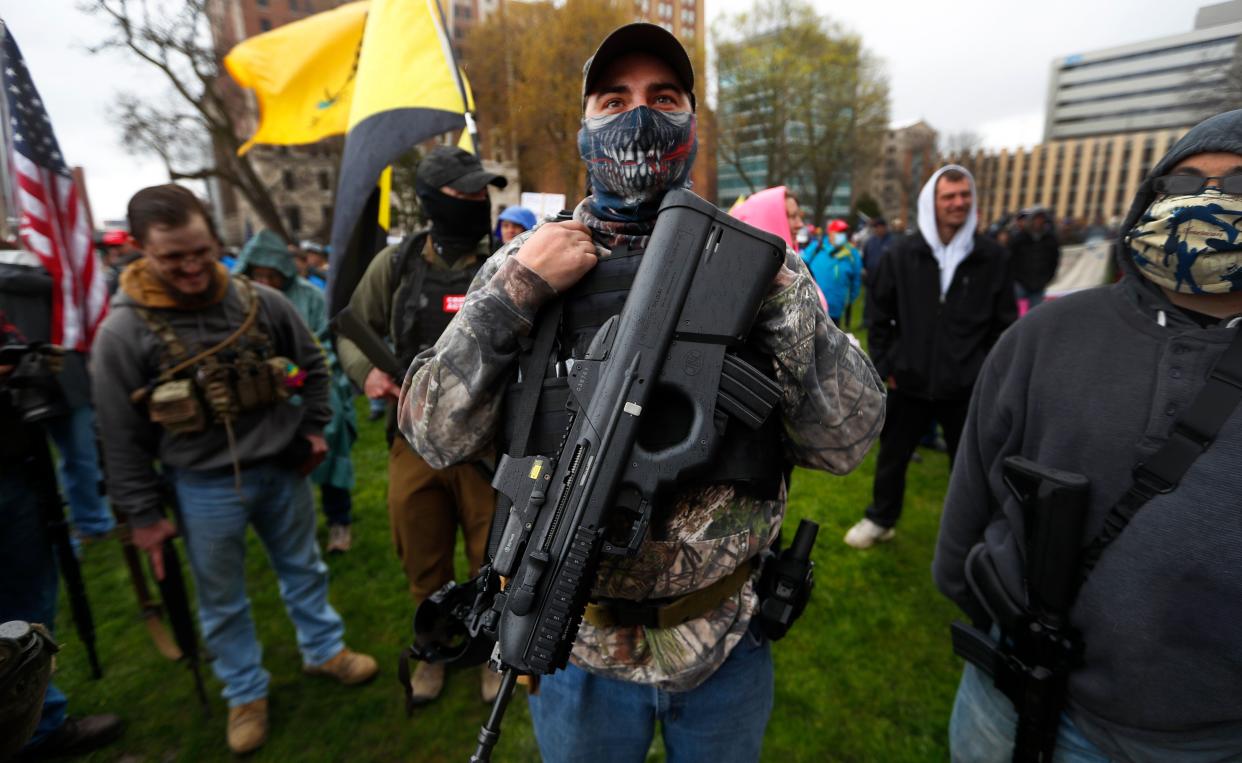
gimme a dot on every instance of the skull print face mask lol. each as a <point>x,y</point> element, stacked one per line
<point>634,158</point>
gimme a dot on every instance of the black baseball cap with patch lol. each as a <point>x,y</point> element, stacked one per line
<point>458,169</point>
<point>639,37</point>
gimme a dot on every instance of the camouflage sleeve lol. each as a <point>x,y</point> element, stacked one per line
<point>450,401</point>
<point>832,397</point>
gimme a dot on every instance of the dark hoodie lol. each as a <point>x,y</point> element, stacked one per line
<point>1092,383</point>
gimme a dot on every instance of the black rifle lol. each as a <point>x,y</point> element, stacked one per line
<point>697,292</point>
<point>52,506</point>
<point>372,345</point>
<point>177,602</point>
<point>1038,647</point>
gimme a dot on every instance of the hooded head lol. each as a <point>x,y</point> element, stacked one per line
<point>267,259</point>
<point>515,220</point>
<point>949,204</point>
<point>1190,243</point>
<point>768,210</point>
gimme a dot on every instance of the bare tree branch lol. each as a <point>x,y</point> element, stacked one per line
<point>197,133</point>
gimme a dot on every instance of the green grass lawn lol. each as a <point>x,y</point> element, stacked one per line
<point>867,674</point>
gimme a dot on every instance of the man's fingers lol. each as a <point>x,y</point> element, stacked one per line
<point>574,225</point>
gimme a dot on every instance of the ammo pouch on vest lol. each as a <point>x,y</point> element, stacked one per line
<point>237,375</point>
<point>175,405</point>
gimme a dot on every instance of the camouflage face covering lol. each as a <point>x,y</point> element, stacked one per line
<point>634,157</point>
<point>1191,244</point>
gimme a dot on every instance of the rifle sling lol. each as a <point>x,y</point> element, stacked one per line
<point>1193,432</point>
<point>619,613</point>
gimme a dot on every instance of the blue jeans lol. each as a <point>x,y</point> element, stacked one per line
<point>28,577</point>
<point>74,435</point>
<point>580,716</point>
<point>984,722</point>
<point>213,518</point>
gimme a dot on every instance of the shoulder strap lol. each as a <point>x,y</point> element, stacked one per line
<point>1193,432</point>
<point>166,333</point>
<point>533,366</point>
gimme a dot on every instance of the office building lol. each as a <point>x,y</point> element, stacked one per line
<point>1166,83</point>
<point>1080,179</point>
<point>907,159</point>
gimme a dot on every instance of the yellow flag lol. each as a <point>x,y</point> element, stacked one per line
<point>303,75</point>
<point>406,62</point>
<point>406,91</point>
<point>385,198</point>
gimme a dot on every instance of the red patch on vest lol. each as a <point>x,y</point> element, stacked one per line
<point>453,302</point>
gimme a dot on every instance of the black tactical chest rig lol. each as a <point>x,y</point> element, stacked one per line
<point>239,374</point>
<point>427,297</point>
<point>750,458</point>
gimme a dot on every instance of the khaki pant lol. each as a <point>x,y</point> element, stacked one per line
<point>425,508</point>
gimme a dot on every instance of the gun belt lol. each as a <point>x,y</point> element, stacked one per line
<point>669,613</point>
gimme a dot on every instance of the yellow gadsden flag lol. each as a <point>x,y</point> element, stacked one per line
<point>302,75</point>
<point>406,90</point>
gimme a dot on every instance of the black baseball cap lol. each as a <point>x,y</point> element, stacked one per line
<point>458,169</point>
<point>639,37</point>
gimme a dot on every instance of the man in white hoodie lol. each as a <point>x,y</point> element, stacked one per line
<point>940,301</point>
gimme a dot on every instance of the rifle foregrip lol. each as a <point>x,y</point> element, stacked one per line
<point>557,628</point>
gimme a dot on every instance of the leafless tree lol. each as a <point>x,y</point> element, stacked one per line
<point>962,143</point>
<point>192,121</point>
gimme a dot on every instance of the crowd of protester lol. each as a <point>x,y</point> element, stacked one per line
<point>216,388</point>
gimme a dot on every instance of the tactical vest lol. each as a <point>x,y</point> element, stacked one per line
<point>751,458</point>
<point>427,297</point>
<point>242,373</point>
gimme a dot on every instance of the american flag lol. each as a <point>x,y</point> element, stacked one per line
<point>53,219</point>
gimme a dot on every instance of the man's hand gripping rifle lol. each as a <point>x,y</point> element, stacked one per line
<point>702,279</point>
<point>1038,647</point>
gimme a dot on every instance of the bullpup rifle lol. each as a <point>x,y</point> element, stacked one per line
<point>695,296</point>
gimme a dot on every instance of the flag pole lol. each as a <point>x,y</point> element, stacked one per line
<point>7,186</point>
<point>447,43</point>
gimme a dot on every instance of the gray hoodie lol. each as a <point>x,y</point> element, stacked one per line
<point>1092,383</point>
<point>126,357</point>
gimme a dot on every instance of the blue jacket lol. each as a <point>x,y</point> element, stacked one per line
<point>838,271</point>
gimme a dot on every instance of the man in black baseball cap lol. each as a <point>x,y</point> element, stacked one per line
<point>707,674</point>
<point>409,294</point>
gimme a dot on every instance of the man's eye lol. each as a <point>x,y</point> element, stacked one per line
<point>612,103</point>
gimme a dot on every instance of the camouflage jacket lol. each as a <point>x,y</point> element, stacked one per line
<point>832,406</point>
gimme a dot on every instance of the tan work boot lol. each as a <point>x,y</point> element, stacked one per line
<point>490,686</point>
<point>347,666</point>
<point>248,726</point>
<point>427,682</point>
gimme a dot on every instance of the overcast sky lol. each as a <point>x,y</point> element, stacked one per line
<point>980,65</point>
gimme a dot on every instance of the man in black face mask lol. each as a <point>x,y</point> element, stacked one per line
<point>409,294</point>
<point>706,675</point>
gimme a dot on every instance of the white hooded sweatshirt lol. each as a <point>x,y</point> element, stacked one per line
<point>949,255</point>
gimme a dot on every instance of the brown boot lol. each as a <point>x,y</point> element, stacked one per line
<point>427,683</point>
<point>248,726</point>
<point>490,686</point>
<point>347,666</point>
